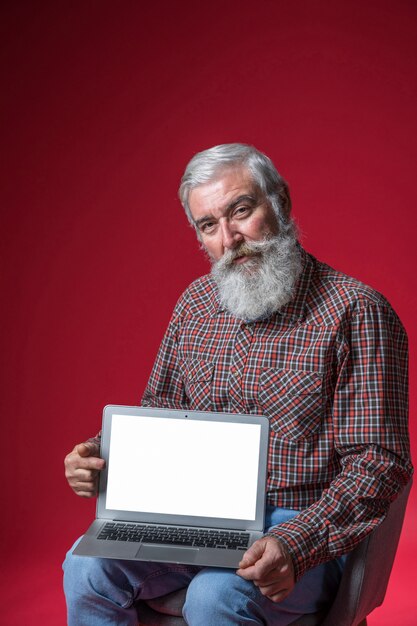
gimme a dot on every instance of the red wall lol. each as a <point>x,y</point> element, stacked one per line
<point>103,104</point>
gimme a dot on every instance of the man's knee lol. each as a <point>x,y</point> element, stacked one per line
<point>87,577</point>
<point>217,593</point>
<point>80,574</point>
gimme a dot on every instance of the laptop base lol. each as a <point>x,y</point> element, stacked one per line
<point>130,551</point>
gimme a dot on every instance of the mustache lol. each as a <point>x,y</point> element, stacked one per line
<point>246,248</point>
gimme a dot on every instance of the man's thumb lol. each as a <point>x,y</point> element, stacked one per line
<point>250,557</point>
<point>86,449</point>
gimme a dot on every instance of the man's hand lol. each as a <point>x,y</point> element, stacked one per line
<point>270,567</point>
<point>82,467</point>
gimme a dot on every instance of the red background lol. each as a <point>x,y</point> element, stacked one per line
<point>103,104</point>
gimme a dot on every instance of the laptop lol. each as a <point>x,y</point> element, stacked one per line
<point>179,486</point>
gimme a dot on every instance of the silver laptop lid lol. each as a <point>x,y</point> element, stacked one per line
<point>183,467</point>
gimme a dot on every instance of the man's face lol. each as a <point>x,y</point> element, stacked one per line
<point>230,211</point>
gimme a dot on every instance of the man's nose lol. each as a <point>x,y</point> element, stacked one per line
<point>230,236</point>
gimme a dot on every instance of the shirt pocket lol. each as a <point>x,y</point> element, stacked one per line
<point>197,381</point>
<point>292,400</point>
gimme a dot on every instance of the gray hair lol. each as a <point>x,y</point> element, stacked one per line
<point>206,166</point>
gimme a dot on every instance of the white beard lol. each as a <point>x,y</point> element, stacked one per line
<point>262,285</point>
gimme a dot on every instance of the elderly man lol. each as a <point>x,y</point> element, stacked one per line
<point>271,330</point>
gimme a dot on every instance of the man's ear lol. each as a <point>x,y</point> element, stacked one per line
<point>285,199</point>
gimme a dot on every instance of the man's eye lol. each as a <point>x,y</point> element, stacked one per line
<point>207,227</point>
<point>241,210</point>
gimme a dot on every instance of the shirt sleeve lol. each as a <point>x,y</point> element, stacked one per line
<point>370,421</point>
<point>165,388</point>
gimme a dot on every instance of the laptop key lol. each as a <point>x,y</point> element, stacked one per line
<point>220,539</point>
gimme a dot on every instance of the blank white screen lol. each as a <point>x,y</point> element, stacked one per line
<point>183,467</point>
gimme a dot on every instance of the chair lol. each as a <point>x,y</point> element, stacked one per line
<point>362,588</point>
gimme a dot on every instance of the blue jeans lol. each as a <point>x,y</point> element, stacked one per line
<point>102,592</point>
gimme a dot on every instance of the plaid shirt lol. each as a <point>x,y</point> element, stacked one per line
<point>329,370</point>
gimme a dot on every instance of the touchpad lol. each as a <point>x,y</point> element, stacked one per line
<point>168,554</point>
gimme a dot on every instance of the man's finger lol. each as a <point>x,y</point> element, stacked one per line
<point>87,449</point>
<point>259,570</point>
<point>73,463</point>
<point>84,486</point>
<point>86,475</point>
<point>278,596</point>
<point>252,555</point>
<point>86,493</point>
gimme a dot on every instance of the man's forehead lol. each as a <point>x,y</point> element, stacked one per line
<point>224,188</point>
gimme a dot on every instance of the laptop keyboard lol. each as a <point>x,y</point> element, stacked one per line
<point>148,533</point>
